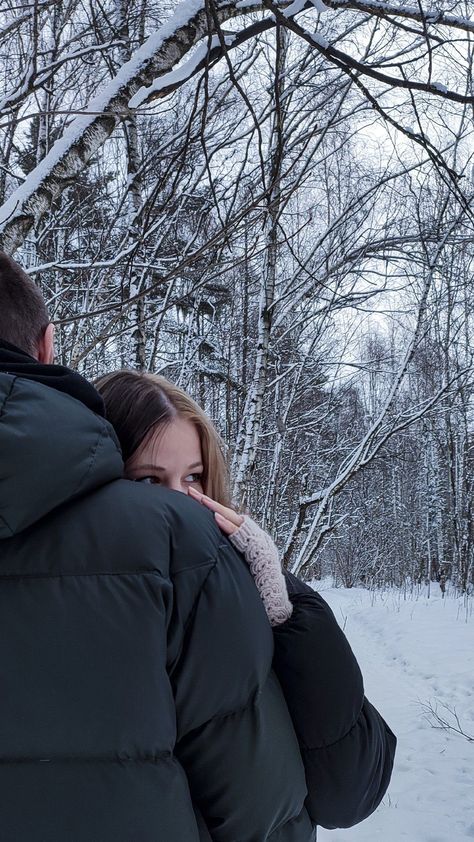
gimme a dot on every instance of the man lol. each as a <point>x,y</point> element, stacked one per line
<point>137,702</point>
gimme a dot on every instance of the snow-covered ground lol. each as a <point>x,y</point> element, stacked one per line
<point>415,652</point>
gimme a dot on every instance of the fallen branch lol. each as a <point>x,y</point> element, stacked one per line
<point>447,720</point>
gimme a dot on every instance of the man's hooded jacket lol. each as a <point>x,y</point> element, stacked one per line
<point>137,697</point>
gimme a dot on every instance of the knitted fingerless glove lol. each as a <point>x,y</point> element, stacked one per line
<point>262,557</point>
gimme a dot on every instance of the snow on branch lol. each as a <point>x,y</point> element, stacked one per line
<point>348,63</point>
<point>154,70</point>
<point>170,81</point>
<point>88,132</point>
<point>380,431</point>
<point>205,54</point>
<point>416,13</point>
<point>34,82</point>
<point>17,22</point>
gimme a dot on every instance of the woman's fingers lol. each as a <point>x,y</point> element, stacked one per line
<point>226,525</point>
<point>225,512</point>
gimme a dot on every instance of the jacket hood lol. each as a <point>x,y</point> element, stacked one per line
<point>53,448</point>
<point>15,361</point>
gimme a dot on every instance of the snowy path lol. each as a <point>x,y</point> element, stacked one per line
<point>413,652</point>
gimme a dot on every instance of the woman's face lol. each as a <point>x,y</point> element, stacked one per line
<point>171,457</point>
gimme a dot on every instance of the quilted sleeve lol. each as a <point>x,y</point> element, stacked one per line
<point>347,748</point>
<point>235,736</point>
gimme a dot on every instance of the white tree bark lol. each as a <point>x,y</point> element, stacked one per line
<point>155,60</point>
<point>252,415</point>
<point>88,132</point>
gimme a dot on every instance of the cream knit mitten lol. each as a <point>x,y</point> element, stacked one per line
<point>262,557</point>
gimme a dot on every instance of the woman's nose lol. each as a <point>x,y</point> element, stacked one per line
<point>175,484</point>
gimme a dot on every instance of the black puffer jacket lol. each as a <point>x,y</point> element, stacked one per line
<point>347,748</point>
<point>137,700</point>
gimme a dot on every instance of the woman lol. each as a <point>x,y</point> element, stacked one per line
<point>346,747</point>
<point>167,439</point>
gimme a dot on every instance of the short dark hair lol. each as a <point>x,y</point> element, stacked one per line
<point>23,313</point>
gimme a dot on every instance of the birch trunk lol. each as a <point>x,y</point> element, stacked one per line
<point>251,425</point>
<point>137,313</point>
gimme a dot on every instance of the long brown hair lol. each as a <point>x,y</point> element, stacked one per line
<point>138,403</point>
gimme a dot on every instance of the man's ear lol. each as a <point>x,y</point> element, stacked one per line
<point>45,353</point>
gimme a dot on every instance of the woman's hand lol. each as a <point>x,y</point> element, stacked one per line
<point>228,520</point>
<point>260,554</point>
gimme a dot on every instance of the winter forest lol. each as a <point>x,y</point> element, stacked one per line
<point>271,204</point>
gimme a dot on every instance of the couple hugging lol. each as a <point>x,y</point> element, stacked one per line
<point>162,680</point>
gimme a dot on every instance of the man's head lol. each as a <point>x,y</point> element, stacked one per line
<point>24,319</point>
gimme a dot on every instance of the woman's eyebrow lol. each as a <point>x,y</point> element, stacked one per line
<point>147,468</point>
<point>159,468</point>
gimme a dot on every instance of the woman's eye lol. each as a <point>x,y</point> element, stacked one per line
<point>193,478</point>
<point>148,480</point>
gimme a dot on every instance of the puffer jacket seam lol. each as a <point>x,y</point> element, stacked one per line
<point>335,742</point>
<point>11,576</point>
<point>212,560</point>
<point>7,526</point>
<point>212,563</point>
<point>255,695</point>
<point>100,438</point>
<point>290,821</point>
<point>252,700</point>
<point>2,410</point>
<point>152,758</point>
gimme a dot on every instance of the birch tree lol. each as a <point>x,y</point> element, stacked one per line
<point>228,194</point>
